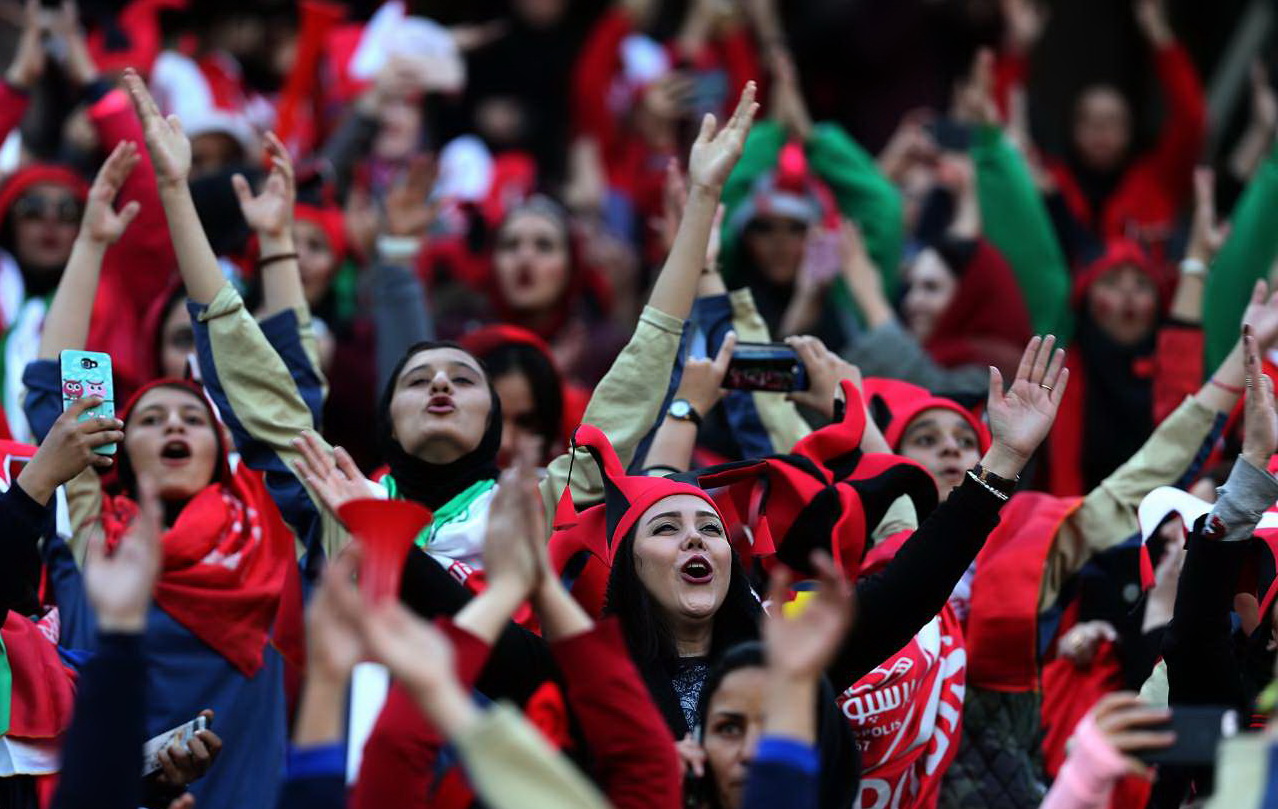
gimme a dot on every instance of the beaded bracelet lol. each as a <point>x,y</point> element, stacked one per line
<point>988,487</point>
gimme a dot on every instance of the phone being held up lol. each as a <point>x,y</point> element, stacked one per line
<point>770,367</point>
<point>89,373</point>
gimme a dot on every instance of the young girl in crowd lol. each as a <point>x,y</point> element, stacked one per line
<point>226,616</point>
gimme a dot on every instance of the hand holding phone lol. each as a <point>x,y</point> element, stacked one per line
<point>182,754</point>
<point>89,373</point>
<point>771,367</point>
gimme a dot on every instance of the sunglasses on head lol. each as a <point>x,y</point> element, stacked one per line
<point>790,227</point>
<point>64,209</point>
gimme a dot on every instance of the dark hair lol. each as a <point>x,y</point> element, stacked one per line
<point>649,638</point>
<point>702,792</point>
<point>177,297</point>
<point>544,380</point>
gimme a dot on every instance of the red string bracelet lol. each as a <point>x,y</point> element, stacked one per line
<point>1234,389</point>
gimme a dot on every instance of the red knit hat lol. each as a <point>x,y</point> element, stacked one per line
<point>38,174</point>
<point>1119,253</point>
<point>584,543</point>
<point>328,218</point>
<point>827,494</point>
<point>904,402</point>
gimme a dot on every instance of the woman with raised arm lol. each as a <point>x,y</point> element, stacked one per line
<point>439,421</point>
<point>218,634</point>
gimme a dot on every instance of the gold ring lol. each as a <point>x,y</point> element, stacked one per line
<point>1047,388</point>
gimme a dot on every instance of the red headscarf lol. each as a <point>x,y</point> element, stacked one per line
<point>1120,253</point>
<point>38,174</point>
<point>905,401</point>
<point>227,558</point>
<point>986,322</point>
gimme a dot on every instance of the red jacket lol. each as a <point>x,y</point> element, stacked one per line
<point>1151,193</point>
<point>631,748</point>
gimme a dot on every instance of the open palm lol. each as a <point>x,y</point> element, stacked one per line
<point>168,145</point>
<point>102,223</point>
<point>1261,316</point>
<point>714,155</point>
<point>271,211</point>
<point>1021,417</point>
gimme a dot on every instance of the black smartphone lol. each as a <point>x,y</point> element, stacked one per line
<point>772,367</point>
<point>951,135</point>
<point>1198,729</point>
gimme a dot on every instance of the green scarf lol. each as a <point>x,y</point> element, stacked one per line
<point>455,510</point>
<point>6,689</point>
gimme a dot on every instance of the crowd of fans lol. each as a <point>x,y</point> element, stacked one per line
<point>427,474</point>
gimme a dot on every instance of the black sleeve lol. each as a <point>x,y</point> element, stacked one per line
<point>896,602</point>
<point>102,756</point>
<point>1197,644</point>
<point>25,521</point>
<point>520,660</point>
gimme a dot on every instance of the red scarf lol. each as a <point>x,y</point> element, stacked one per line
<point>226,563</point>
<point>907,714</point>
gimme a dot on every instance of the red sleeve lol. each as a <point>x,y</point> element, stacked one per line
<point>1010,72</point>
<point>142,263</point>
<point>398,766</point>
<point>593,74</point>
<point>13,105</point>
<point>631,745</point>
<point>1178,367</point>
<point>741,60</point>
<point>1185,129</point>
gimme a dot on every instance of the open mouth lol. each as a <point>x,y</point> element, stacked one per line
<point>697,570</point>
<point>175,453</point>
<point>440,405</point>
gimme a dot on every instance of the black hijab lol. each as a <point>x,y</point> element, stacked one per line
<point>430,484</point>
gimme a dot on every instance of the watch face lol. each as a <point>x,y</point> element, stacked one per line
<point>680,409</point>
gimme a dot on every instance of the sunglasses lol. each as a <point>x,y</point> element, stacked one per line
<point>65,210</point>
<point>789,227</point>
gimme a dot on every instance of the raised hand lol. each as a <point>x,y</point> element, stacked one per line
<point>78,64</point>
<point>270,212</point>
<point>68,450</point>
<point>801,647</point>
<point>515,541</point>
<point>409,209</point>
<point>715,154</point>
<point>974,94</point>
<point>826,370</point>
<point>1260,422</point>
<point>334,637</point>
<point>1206,235</point>
<point>119,583</point>
<point>702,381</point>
<point>1261,315</point>
<point>1151,16</point>
<point>418,654</point>
<point>334,477</point>
<point>1021,417</point>
<point>28,63</point>
<point>168,145</point>
<point>1023,23</point>
<point>101,223</point>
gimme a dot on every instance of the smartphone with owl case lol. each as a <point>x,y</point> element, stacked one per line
<point>88,373</point>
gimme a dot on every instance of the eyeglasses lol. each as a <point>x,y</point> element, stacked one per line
<point>65,210</point>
